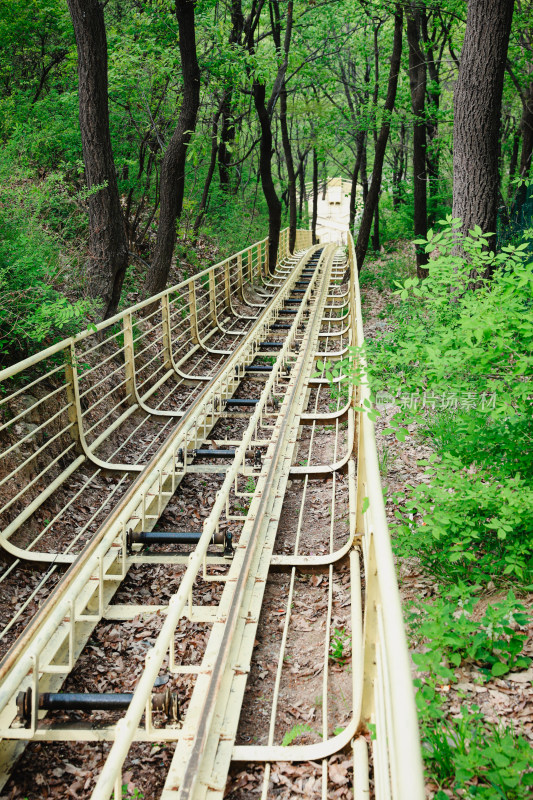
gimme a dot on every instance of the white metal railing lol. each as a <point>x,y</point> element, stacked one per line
<point>388,700</point>
<point>75,402</point>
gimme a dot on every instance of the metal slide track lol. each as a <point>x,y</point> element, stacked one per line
<point>213,384</point>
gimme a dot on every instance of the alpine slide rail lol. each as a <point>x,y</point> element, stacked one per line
<point>99,432</point>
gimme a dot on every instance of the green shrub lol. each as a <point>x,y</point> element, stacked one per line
<point>451,635</point>
<point>476,760</point>
<point>466,524</point>
<point>34,312</point>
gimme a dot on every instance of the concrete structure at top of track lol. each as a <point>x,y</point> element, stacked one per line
<point>333,209</point>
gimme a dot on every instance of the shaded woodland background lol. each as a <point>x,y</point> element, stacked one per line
<point>206,150</point>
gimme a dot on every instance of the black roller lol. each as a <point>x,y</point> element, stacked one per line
<point>266,345</point>
<point>243,401</point>
<point>280,326</point>
<point>169,537</point>
<point>259,368</point>
<point>181,537</point>
<point>204,452</point>
<point>166,702</point>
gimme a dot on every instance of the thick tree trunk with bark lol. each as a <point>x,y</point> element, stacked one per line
<point>477,111</point>
<point>172,184</point>
<point>289,163</point>
<point>108,245</point>
<point>417,82</point>
<point>381,143</point>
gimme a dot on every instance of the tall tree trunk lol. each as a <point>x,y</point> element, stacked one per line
<point>172,183</point>
<point>360,140</point>
<point>264,114</point>
<point>108,246</point>
<point>381,144</point>
<point>398,171</point>
<point>227,135</point>
<point>513,162</point>
<point>375,230</point>
<point>477,110</point>
<point>417,82</point>
<point>210,170</point>
<point>526,127</point>
<point>432,120</point>
<point>289,163</point>
<point>301,176</point>
<point>364,174</point>
<point>315,196</point>
<point>527,134</point>
<point>265,170</point>
<point>227,132</point>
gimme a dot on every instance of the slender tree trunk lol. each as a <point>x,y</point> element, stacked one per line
<point>375,230</point>
<point>315,196</point>
<point>227,135</point>
<point>360,140</point>
<point>301,177</point>
<point>527,134</point>
<point>526,128</point>
<point>172,183</point>
<point>417,82</point>
<point>289,163</point>
<point>227,128</point>
<point>364,174</point>
<point>513,162</point>
<point>381,144</point>
<point>265,170</point>
<point>210,171</point>
<point>398,171</point>
<point>264,114</point>
<point>477,111</point>
<point>432,121</point>
<point>108,246</point>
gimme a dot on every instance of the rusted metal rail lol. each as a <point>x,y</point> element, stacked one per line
<point>184,369</point>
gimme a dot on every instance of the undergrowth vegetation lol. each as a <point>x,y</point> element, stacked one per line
<point>36,263</point>
<point>457,365</point>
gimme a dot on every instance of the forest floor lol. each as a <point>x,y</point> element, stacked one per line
<point>507,700</point>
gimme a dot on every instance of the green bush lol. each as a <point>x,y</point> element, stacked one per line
<point>477,761</point>
<point>467,524</point>
<point>34,312</point>
<point>451,635</point>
